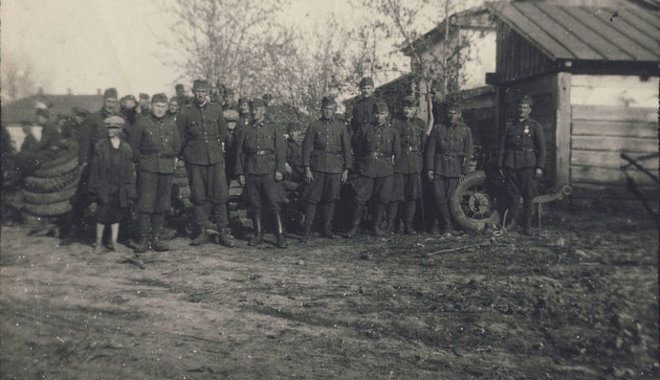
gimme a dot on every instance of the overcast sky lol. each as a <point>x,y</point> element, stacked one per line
<point>85,45</point>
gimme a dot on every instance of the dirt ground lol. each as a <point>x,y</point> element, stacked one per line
<point>579,300</point>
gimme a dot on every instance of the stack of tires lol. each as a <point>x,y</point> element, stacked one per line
<point>48,191</point>
<point>181,188</point>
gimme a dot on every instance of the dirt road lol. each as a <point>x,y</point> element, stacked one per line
<point>577,301</point>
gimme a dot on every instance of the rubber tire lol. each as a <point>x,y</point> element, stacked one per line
<point>62,157</point>
<point>468,223</point>
<point>54,171</point>
<point>51,209</point>
<point>52,184</point>
<point>45,198</point>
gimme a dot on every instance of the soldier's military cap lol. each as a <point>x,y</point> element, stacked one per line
<point>409,101</point>
<point>454,102</point>
<point>129,97</point>
<point>380,106</point>
<point>243,100</point>
<point>201,84</point>
<point>328,101</point>
<point>366,81</point>
<point>174,99</point>
<point>159,98</point>
<point>267,97</point>
<point>110,93</point>
<point>257,103</point>
<point>526,99</point>
<point>179,86</point>
<point>144,96</point>
<point>113,121</point>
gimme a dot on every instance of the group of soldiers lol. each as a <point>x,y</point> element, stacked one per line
<point>130,155</point>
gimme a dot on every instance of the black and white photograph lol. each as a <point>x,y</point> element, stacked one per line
<point>330,189</point>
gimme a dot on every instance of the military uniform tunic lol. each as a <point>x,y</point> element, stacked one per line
<point>409,164</point>
<point>156,143</point>
<point>260,152</point>
<point>522,151</point>
<point>327,152</point>
<point>363,112</point>
<point>375,148</point>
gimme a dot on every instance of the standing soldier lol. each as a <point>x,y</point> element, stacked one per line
<point>448,154</point>
<point>173,107</point>
<point>522,157</point>
<point>363,108</point>
<point>156,143</point>
<point>203,131</point>
<point>260,159</point>
<point>327,160</point>
<point>244,117</point>
<point>181,97</point>
<point>376,147</point>
<point>408,166</point>
<point>144,104</point>
<point>93,129</point>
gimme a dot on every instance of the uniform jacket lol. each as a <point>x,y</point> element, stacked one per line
<point>99,169</point>
<point>363,113</point>
<point>375,149</point>
<point>413,141</point>
<point>449,150</point>
<point>260,149</point>
<point>327,147</point>
<point>155,144</point>
<point>523,145</point>
<point>203,133</point>
<point>92,131</point>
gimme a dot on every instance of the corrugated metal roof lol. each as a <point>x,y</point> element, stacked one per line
<point>585,33</point>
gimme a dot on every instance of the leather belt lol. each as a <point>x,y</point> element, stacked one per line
<point>380,154</point>
<point>412,149</point>
<point>265,152</point>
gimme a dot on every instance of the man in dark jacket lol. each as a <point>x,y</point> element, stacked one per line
<point>363,108</point>
<point>93,129</point>
<point>156,143</point>
<point>448,154</point>
<point>409,164</point>
<point>203,131</point>
<point>521,160</point>
<point>327,159</point>
<point>260,164</point>
<point>376,147</point>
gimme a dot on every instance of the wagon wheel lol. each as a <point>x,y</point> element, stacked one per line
<point>472,205</point>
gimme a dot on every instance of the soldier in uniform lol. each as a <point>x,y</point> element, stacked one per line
<point>448,154</point>
<point>260,164</point>
<point>173,107</point>
<point>128,109</point>
<point>376,147</point>
<point>327,160</point>
<point>144,104</point>
<point>406,189</point>
<point>363,107</point>
<point>203,131</point>
<point>156,144</point>
<point>93,129</point>
<point>521,160</point>
<point>244,117</point>
<point>73,125</point>
<point>181,97</point>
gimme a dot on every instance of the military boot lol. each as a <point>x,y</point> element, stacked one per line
<point>392,209</point>
<point>143,229</point>
<point>380,215</point>
<point>447,228</point>
<point>512,216</point>
<point>157,244</point>
<point>223,237</point>
<point>310,213</point>
<point>528,214</point>
<point>281,239</point>
<point>201,238</point>
<point>328,215</point>
<point>257,239</point>
<point>409,217</point>
<point>355,224</point>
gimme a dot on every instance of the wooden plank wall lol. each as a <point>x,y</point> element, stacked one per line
<point>599,134</point>
<point>517,57</point>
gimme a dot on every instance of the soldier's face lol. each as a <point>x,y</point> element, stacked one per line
<point>244,108</point>
<point>180,92</point>
<point>328,111</point>
<point>200,95</point>
<point>113,131</point>
<point>409,112</point>
<point>173,107</point>
<point>159,109</point>
<point>367,91</point>
<point>454,116</point>
<point>258,113</point>
<point>110,104</point>
<point>524,110</point>
<point>381,116</point>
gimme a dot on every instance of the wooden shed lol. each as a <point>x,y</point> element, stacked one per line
<point>593,75</point>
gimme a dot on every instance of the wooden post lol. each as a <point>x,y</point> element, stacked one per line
<point>563,129</point>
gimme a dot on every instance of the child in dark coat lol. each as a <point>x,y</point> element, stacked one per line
<point>111,181</point>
